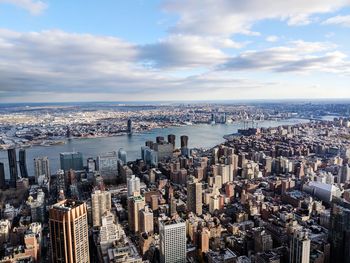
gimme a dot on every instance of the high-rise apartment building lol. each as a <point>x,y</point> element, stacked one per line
<point>41,167</point>
<point>101,202</point>
<point>172,234</point>
<point>133,184</point>
<point>71,160</point>
<point>12,166</point>
<point>300,248</point>
<point>135,204</point>
<point>146,220</point>
<point>69,232</point>
<point>194,196</point>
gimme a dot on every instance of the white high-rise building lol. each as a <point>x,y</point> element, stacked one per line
<point>133,184</point>
<point>172,241</point>
<point>300,248</point>
<point>110,232</point>
<point>101,202</point>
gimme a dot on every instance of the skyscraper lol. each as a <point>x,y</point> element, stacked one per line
<point>149,156</point>
<point>164,150</point>
<point>133,184</point>
<point>194,196</point>
<point>340,233</point>
<point>300,248</point>
<point>2,176</point>
<point>101,201</point>
<point>23,163</point>
<point>91,165</point>
<point>107,165</point>
<point>184,141</point>
<point>172,234</point>
<point>71,160</point>
<point>129,126</point>
<point>122,155</point>
<point>135,204</point>
<point>69,232</point>
<point>12,166</point>
<point>146,220</point>
<point>171,139</point>
<point>41,167</point>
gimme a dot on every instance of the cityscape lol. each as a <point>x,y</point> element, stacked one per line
<point>174,131</point>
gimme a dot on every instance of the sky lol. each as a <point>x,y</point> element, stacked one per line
<point>153,50</point>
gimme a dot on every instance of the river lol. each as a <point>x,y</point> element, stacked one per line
<point>201,135</point>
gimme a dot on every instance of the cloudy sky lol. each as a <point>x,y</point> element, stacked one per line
<point>64,50</point>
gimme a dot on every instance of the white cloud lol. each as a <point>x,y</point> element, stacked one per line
<point>298,56</point>
<point>299,20</point>
<point>34,7</point>
<point>272,38</point>
<point>55,65</point>
<point>186,51</point>
<point>226,17</point>
<point>338,20</point>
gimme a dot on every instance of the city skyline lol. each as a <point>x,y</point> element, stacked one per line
<point>60,51</point>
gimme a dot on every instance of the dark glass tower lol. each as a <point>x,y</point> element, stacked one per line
<point>171,139</point>
<point>2,176</point>
<point>23,163</point>
<point>159,139</point>
<point>129,126</point>
<point>184,141</point>
<point>12,166</point>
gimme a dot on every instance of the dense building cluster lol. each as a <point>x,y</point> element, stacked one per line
<point>276,195</point>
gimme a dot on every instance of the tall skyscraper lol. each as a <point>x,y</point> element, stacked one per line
<point>164,150</point>
<point>2,176</point>
<point>107,165</point>
<point>129,126</point>
<point>184,141</point>
<point>300,248</point>
<point>172,234</point>
<point>194,196</point>
<point>340,233</point>
<point>171,139</point>
<point>69,232</point>
<point>122,155</point>
<point>60,181</point>
<point>135,204</point>
<point>12,166</point>
<point>71,160</point>
<point>101,201</point>
<point>149,156</point>
<point>133,184</point>
<point>23,163</point>
<point>41,167</point>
